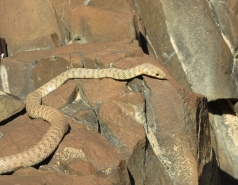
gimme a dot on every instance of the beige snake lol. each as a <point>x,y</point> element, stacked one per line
<point>59,126</point>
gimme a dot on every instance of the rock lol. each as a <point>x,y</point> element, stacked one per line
<point>225,142</point>
<point>9,105</point>
<point>138,131</point>
<point>126,134</point>
<point>80,145</point>
<point>177,34</point>
<point>93,150</point>
<point>43,20</point>
<point>225,16</point>
<point>21,134</point>
<point>95,25</point>
<point>178,132</point>
<point>33,176</point>
<point>40,65</point>
<point>119,113</point>
<point>62,96</point>
<point>31,74</point>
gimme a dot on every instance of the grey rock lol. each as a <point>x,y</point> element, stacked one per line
<point>9,105</point>
<point>185,36</point>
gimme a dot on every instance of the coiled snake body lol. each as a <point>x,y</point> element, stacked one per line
<point>59,126</point>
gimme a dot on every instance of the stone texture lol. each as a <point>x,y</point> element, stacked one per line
<point>21,134</point>
<point>9,105</point>
<point>224,124</point>
<point>33,176</point>
<point>40,65</point>
<point>87,146</point>
<point>62,96</point>
<point>120,113</point>
<point>81,145</point>
<point>192,48</point>
<point>32,73</point>
<point>63,9</point>
<point>178,132</point>
<point>225,16</point>
<point>41,20</point>
<point>106,142</point>
<point>120,129</point>
<point>47,69</point>
<point>94,25</point>
<point>96,92</point>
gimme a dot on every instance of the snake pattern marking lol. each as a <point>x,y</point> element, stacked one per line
<point>59,125</point>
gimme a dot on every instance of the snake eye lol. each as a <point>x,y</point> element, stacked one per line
<point>156,74</point>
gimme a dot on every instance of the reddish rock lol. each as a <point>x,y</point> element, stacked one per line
<point>30,65</point>
<point>20,134</point>
<point>119,128</point>
<point>62,96</point>
<point>32,176</point>
<point>118,124</point>
<point>47,69</point>
<point>41,19</point>
<point>84,145</point>
<point>95,25</point>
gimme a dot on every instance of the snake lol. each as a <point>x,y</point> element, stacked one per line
<point>58,123</point>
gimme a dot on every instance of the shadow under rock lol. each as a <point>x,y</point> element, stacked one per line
<point>227,179</point>
<point>4,122</point>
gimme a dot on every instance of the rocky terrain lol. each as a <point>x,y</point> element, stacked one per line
<point>143,131</point>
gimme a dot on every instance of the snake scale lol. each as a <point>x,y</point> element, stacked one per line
<point>59,125</point>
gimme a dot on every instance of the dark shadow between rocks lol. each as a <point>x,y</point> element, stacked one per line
<point>6,121</point>
<point>210,172</point>
<point>132,180</point>
<point>144,44</point>
<point>227,179</point>
<point>220,107</point>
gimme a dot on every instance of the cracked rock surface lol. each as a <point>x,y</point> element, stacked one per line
<point>142,131</point>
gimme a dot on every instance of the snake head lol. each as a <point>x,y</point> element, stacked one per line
<point>153,71</point>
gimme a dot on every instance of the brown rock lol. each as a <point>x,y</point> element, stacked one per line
<point>95,25</point>
<point>226,16</point>
<point>174,117</point>
<point>21,134</point>
<point>42,21</point>
<point>101,90</point>
<point>83,145</point>
<point>32,176</point>
<point>47,69</point>
<point>64,9</point>
<point>118,124</point>
<point>116,6</point>
<point>32,64</point>
<point>120,129</point>
<point>62,96</point>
